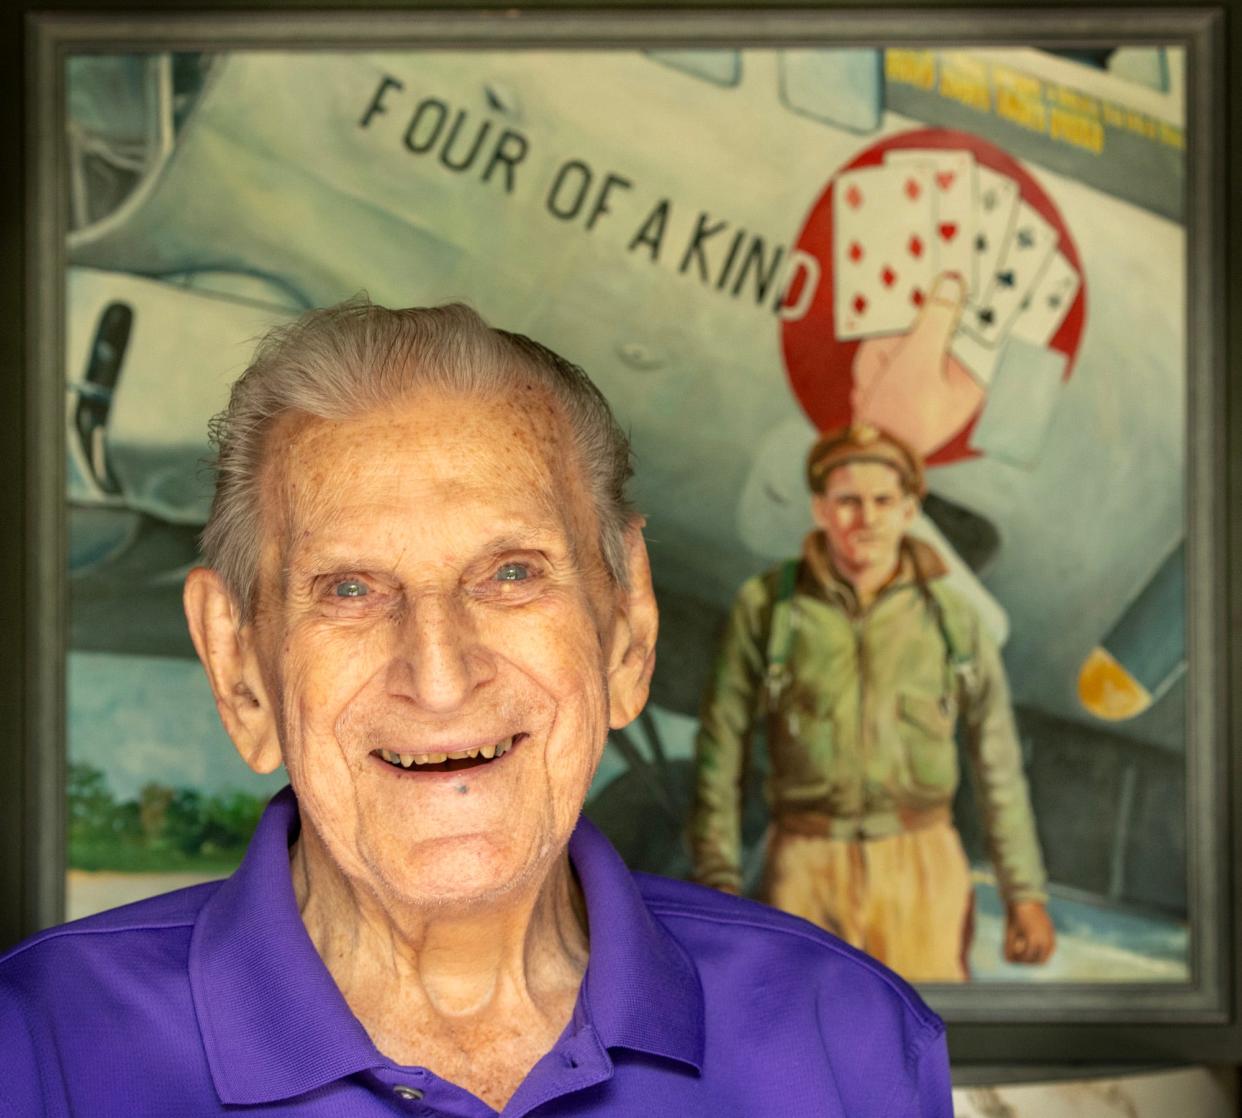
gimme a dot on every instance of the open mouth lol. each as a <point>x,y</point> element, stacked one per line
<point>448,762</point>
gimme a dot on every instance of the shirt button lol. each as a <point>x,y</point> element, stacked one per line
<point>404,1092</point>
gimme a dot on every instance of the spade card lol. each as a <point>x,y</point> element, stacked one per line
<point>1048,302</point>
<point>1037,323</point>
<point>997,206</point>
<point>882,261</point>
<point>1029,248</point>
<point>953,181</point>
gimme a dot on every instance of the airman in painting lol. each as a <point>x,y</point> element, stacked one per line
<point>864,663</point>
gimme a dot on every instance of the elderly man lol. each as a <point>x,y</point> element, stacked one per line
<point>861,658</point>
<point>428,598</point>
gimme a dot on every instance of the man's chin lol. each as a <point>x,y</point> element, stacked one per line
<point>451,871</point>
<point>864,559</point>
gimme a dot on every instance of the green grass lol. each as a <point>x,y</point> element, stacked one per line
<point>123,856</point>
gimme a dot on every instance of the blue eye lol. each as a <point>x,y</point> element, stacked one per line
<point>512,572</point>
<point>351,588</point>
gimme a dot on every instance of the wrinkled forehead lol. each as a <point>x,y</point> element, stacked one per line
<point>511,451</point>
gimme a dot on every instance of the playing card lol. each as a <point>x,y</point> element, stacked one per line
<point>1038,320</point>
<point>882,258</point>
<point>1048,302</point>
<point>953,211</point>
<point>977,359</point>
<point>997,197</point>
<point>1028,250</point>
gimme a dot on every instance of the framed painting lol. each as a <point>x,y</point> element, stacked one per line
<point>993,236</point>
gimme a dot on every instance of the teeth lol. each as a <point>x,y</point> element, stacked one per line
<point>405,760</point>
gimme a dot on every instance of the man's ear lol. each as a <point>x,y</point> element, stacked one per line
<point>912,506</point>
<point>632,658</point>
<point>227,651</point>
<point>819,511</point>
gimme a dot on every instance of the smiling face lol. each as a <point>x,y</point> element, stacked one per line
<point>864,512</point>
<point>437,644</point>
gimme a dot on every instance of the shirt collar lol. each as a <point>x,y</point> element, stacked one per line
<point>641,989</point>
<point>274,1024</point>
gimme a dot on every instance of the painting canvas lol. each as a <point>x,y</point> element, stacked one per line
<point>680,223</point>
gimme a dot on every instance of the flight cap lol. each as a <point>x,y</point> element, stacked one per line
<point>862,442</point>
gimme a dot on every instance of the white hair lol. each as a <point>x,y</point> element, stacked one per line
<point>339,362</point>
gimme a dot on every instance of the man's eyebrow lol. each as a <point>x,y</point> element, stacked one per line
<point>531,538</point>
<point>551,541</point>
<point>330,557</point>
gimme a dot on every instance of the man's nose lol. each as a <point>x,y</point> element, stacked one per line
<point>439,660</point>
<point>867,512</point>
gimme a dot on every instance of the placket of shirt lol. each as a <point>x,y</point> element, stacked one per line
<point>578,1060</point>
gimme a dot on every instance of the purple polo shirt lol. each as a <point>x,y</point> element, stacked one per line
<point>212,1000</point>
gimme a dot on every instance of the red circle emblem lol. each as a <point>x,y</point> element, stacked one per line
<point>820,368</point>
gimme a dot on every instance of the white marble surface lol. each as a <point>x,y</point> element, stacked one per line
<point>1184,1093</point>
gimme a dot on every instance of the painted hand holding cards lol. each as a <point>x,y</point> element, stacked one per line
<point>942,250</point>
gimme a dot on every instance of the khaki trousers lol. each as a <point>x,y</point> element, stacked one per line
<point>905,899</point>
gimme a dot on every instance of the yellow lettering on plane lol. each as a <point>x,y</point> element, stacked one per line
<point>911,67</point>
<point>1021,84</point>
<point>964,89</point>
<point>1173,137</point>
<point>1076,130</point>
<point>1021,110</point>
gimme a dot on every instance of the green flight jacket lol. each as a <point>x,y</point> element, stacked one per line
<point>863,727</point>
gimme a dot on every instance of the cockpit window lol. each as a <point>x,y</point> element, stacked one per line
<point>844,88</point>
<point>724,67</point>
<point>1146,66</point>
<point>124,112</point>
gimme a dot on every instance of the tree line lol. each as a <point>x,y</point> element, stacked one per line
<point>162,828</point>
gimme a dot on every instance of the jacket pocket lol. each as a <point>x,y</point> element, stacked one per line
<point>803,748</point>
<point>925,724</point>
